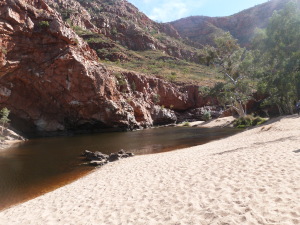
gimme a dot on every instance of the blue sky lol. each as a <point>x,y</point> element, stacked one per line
<point>170,10</point>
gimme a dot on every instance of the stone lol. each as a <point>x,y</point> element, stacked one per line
<point>96,156</point>
<point>98,162</point>
<point>99,159</point>
<point>114,157</point>
<point>121,152</point>
<point>130,154</point>
<point>162,116</point>
<point>86,152</point>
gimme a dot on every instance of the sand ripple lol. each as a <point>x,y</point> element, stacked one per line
<point>250,178</point>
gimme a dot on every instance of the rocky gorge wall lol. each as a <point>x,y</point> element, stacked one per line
<point>121,23</point>
<point>51,79</point>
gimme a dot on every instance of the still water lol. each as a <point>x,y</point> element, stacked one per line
<point>41,165</point>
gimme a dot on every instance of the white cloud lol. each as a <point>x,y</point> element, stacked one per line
<point>168,11</point>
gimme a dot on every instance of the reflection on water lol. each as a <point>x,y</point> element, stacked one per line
<point>37,166</point>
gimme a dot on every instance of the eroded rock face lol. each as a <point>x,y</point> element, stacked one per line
<point>51,79</point>
<point>118,21</point>
<point>163,116</point>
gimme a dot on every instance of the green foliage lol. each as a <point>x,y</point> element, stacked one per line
<point>3,50</point>
<point>172,77</point>
<point>157,63</point>
<point>120,79</point>
<point>44,24</point>
<point>4,113</point>
<point>235,63</point>
<point>80,31</point>
<point>156,98</point>
<point>278,59</point>
<point>97,39</point>
<point>204,91</point>
<point>103,52</point>
<point>133,86</point>
<point>248,121</point>
<point>114,31</point>
<point>206,115</point>
<point>66,13</point>
<point>186,124</point>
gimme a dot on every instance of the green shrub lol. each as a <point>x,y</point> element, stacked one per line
<point>4,113</point>
<point>80,31</point>
<point>44,24</point>
<point>156,98</point>
<point>133,86</point>
<point>206,115</point>
<point>114,31</point>
<point>248,121</point>
<point>120,78</point>
<point>258,120</point>
<point>186,124</point>
<point>3,50</point>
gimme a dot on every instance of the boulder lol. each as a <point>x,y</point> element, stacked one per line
<point>162,116</point>
<point>94,156</point>
<point>99,159</point>
<point>114,157</point>
<point>98,162</point>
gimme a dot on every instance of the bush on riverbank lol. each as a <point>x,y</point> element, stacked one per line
<point>186,124</point>
<point>248,121</point>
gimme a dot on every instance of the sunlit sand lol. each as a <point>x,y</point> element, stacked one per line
<point>249,178</point>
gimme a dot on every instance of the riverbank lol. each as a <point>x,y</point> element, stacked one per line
<point>9,138</point>
<point>250,178</point>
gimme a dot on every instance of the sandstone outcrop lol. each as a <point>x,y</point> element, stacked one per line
<point>51,79</point>
<point>119,23</point>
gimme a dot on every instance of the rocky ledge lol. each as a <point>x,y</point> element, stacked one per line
<point>52,81</point>
<point>100,159</point>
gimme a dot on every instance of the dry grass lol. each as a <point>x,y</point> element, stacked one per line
<point>158,64</point>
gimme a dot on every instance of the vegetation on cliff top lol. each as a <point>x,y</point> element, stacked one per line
<point>271,68</point>
<point>134,42</point>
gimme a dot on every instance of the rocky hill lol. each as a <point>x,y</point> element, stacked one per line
<point>52,81</point>
<point>121,34</point>
<point>111,27</point>
<point>89,65</point>
<point>201,29</point>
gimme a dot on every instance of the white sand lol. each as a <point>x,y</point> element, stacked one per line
<point>220,122</point>
<point>250,178</point>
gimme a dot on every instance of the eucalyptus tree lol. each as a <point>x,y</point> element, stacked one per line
<point>235,63</point>
<point>278,60</point>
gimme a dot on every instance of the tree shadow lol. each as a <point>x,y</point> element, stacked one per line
<point>297,151</point>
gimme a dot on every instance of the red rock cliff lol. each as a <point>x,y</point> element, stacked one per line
<point>51,80</point>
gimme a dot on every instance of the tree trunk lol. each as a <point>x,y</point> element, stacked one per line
<point>238,107</point>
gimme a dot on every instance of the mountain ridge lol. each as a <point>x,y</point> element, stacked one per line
<point>241,25</point>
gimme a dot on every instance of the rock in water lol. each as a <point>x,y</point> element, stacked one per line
<point>99,159</point>
<point>98,163</point>
<point>114,157</point>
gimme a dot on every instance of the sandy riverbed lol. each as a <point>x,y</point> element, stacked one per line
<point>250,178</point>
